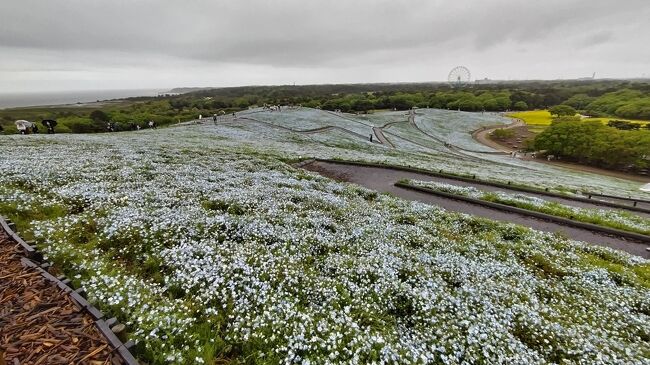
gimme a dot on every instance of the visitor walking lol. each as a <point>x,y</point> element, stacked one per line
<point>370,137</point>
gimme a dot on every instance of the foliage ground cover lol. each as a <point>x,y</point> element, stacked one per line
<point>618,219</point>
<point>211,249</point>
<point>543,118</point>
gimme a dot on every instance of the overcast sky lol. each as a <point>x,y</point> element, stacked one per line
<point>109,44</point>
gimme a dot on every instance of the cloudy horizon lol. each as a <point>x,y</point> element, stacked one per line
<point>148,44</point>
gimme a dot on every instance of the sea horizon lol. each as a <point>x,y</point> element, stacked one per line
<point>29,99</point>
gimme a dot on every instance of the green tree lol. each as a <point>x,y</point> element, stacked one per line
<point>562,110</point>
<point>502,134</point>
<point>521,105</point>
<point>593,143</point>
<point>98,116</point>
<point>579,101</point>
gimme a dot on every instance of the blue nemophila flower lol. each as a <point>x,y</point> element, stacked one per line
<point>208,250</point>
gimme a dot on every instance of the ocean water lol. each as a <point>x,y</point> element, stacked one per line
<point>8,100</point>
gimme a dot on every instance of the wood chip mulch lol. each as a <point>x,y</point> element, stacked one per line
<point>39,323</point>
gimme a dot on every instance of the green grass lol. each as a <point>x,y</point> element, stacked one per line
<point>534,117</point>
<point>77,118</point>
<point>538,120</point>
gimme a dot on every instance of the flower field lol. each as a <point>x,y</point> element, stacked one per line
<point>618,219</point>
<point>211,249</point>
<point>413,147</point>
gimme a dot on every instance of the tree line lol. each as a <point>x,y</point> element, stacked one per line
<point>597,144</point>
<point>625,99</point>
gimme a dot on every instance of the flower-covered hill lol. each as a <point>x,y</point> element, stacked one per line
<point>412,146</point>
<point>213,253</point>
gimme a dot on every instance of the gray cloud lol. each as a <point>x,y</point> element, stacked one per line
<point>594,39</point>
<point>308,35</point>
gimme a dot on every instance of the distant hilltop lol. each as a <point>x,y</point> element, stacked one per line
<point>483,81</point>
<point>184,90</point>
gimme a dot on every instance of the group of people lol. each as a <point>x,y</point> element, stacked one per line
<point>278,108</point>
<point>112,127</point>
<point>215,117</point>
<point>26,127</point>
<point>531,155</point>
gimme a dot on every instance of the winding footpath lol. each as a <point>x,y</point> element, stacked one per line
<point>307,131</point>
<point>482,135</point>
<point>380,136</point>
<point>383,180</point>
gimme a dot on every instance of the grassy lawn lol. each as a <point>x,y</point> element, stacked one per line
<point>539,119</point>
<point>534,117</point>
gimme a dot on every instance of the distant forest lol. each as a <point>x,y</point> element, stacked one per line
<point>598,98</point>
<point>624,99</point>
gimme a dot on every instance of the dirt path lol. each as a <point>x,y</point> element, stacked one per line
<point>482,135</point>
<point>380,136</point>
<point>39,323</point>
<point>306,131</point>
<point>452,149</point>
<point>383,180</point>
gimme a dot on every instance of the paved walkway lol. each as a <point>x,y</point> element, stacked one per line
<point>383,180</point>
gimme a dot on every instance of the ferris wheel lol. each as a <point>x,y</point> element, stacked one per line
<point>459,76</point>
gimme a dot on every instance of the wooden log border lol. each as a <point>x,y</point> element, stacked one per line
<point>34,259</point>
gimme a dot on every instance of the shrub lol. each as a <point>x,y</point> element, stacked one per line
<point>502,133</point>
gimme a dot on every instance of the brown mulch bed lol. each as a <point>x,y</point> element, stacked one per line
<point>39,323</point>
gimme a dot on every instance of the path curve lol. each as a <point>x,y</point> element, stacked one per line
<point>481,135</point>
<point>459,151</point>
<point>383,180</point>
<point>308,131</point>
<point>411,120</point>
